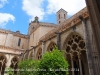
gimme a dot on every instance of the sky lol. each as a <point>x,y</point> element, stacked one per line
<point>17,14</point>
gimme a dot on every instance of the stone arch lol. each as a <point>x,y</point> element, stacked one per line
<point>39,54</point>
<point>3,61</point>
<point>14,64</point>
<point>73,39</point>
<point>31,55</point>
<point>51,46</point>
<point>25,56</point>
<point>75,50</point>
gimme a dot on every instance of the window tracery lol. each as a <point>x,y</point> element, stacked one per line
<point>14,64</point>
<point>76,53</point>
<point>2,64</point>
<point>75,43</point>
<point>51,46</point>
<point>39,53</point>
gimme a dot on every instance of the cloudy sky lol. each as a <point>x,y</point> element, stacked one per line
<point>17,14</point>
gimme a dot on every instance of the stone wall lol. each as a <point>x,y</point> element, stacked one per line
<point>9,45</point>
<point>11,40</point>
<point>64,35</point>
<point>37,34</point>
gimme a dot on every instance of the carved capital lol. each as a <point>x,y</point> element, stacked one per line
<point>57,32</point>
<point>42,40</point>
<point>33,47</point>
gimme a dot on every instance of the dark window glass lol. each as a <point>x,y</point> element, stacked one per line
<point>59,22</point>
<point>19,41</point>
<point>59,16</point>
<point>64,16</point>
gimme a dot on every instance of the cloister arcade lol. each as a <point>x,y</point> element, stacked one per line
<point>14,64</point>
<point>4,61</point>
<point>51,46</point>
<point>39,54</point>
<point>75,53</point>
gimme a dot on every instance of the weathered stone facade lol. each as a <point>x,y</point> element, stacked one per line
<point>70,35</point>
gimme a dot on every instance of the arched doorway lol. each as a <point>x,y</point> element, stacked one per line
<point>51,46</point>
<point>76,54</point>
<point>3,61</point>
<point>39,54</point>
<point>14,64</point>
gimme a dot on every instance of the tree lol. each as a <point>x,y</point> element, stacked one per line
<point>54,63</point>
<point>27,67</point>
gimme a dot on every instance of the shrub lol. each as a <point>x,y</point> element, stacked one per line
<point>54,62</point>
<point>27,67</point>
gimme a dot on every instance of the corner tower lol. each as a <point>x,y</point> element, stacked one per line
<point>61,16</point>
<point>33,25</point>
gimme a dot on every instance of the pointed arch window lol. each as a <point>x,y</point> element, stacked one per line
<point>64,16</point>
<point>19,41</point>
<point>59,22</point>
<point>59,16</point>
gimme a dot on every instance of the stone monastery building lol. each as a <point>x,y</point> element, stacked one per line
<point>73,35</point>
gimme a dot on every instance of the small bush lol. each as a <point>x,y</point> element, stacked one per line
<point>27,67</point>
<point>54,62</point>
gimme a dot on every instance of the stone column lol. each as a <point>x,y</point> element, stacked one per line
<point>33,48</point>
<point>88,47</point>
<point>43,46</point>
<point>58,40</point>
<point>72,63</point>
<point>80,65</point>
<point>93,7</point>
<point>22,56</point>
<point>27,52</point>
<point>9,61</point>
